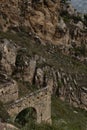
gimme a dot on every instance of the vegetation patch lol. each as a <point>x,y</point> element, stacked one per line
<point>4,116</point>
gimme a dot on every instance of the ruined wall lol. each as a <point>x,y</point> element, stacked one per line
<point>39,100</point>
<point>8,91</point>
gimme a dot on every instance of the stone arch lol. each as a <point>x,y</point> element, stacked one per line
<point>28,114</point>
<point>40,101</point>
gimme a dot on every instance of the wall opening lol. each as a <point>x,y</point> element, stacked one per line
<point>26,116</point>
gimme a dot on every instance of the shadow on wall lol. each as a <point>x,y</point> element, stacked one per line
<point>28,115</point>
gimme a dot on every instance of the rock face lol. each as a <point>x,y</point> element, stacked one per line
<point>74,35</point>
<point>7,56</point>
<point>49,21</point>
<point>41,19</point>
<point>34,70</point>
<point>8,91</point>
<point>37,16</point>
<point>8,86</point>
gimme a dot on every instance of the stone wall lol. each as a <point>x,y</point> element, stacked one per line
<point>8,91</point>
<point>39,100</point>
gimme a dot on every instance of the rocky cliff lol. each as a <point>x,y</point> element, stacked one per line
<point>34,38</point>
<point>51,21</point>
<point>66,77</point>
<point>39,17</point>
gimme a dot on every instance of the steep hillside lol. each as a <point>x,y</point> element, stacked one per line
<point>36,65</point>
<point>51,21</point>
<point>44,42</point>
<point>39,17</point>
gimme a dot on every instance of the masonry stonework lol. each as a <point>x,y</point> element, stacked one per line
<point>8,91</point>
<point>39,100</point>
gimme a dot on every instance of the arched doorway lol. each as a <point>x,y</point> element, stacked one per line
<point>26,116</point>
